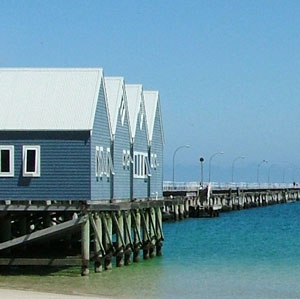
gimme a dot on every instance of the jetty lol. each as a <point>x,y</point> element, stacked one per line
<point>209,199</point>
<point>58,233</point>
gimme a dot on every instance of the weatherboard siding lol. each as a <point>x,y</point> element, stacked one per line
<point>156,180</point>
<point>100,186</point>
<point>140,185</point>
<point>122,173</point>
<point>65,166</point>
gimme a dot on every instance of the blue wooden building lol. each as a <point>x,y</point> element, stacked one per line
<point>54,135</point>
<point>156,142</point>
<point>139,147</point>
<point>121,137</point>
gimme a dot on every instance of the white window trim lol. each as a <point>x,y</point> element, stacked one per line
<point>129,159</point>
<point>122,111</point>
<point>109,164</point>
<point>99,161</point>
<point>36,173</point>
<point>126,159</point>
<point>147,164</point>
<point>142,165</point>
<point>141,121</point>
<point>11,160</point>
<point>154,161</point>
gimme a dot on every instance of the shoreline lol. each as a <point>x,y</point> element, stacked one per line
<point>30,294</point>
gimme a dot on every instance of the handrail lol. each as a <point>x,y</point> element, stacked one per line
<point>193,186</point>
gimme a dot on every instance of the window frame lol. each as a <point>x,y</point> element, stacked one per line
<point>154,161</point>
<point>110,170</point>
<point>37,172</point>
<point>141,121</point>
<point>141,165</point>
<point>122,111</point>
<point>11,149</point>
<point>99,162</point>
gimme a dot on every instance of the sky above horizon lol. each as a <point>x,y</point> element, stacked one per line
<point>228,72</point>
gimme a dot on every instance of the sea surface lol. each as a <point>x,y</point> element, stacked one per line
<point>252,253</point>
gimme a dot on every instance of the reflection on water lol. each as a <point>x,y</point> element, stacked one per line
<point>247,254</point>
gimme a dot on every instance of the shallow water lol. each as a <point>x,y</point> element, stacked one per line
<point>247,254</point>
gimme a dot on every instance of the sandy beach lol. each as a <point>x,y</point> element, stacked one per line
<point>17,294</point>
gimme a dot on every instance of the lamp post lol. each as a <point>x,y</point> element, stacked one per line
<point>233,163</point>
<point>209,166</point>
<point>258,166</point>
<point>201,161</point>
<point>176,150</point>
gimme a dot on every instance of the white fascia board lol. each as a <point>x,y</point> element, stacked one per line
<point>107,111</point>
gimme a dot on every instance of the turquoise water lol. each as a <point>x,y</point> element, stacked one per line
<point>245,254</point>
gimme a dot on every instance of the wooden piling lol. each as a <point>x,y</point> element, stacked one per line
<point>127,237</point>
<point>152,229</point>
<point>98,250</point>
<point>146,237</point>
<point>159,232</point>
<point>120,240</point>
<point>137,240</point>
<point>176,212</point>
<point>85,247</point>
<point>181,211</point>
<point>108,246</point>
<point>186,208</point>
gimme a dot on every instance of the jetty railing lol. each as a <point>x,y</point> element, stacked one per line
<point>193,186</point>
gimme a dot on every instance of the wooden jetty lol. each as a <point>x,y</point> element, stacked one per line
<point>74,233</point>
<point>69,233</point>
<point>209,203</point>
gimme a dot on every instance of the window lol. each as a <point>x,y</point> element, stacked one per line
<point>100,165</point>
<point>141,121</point>
<point>6,160</point>
<point>141,165</point>
<point>129,159</point>
<point>31,160</point>
<point>109,163</point>
<point>147,166</point>
<point>154,162</point>
<point>122,112</point>
<point>126,159</point>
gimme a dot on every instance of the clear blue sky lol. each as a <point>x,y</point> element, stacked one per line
<point>228,71</point>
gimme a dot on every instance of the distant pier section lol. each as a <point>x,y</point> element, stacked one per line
<point>212,198</point>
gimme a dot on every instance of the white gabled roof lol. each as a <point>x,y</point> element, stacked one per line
<point>48,99</point>
<point>115,93</point>
<point>134,93</point>
<point>151,100</point>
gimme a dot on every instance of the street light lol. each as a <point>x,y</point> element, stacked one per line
<point>209,166</point>
<point>233,162</point>
<point>177,149</point>
<point>201,161</point>
<point>258,166</point>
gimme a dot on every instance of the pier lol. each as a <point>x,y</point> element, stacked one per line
<point>211,199</point>
<point>66,233</point>
<point>72,233</point>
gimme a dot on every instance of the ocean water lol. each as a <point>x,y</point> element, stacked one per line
<point>252,253</point>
